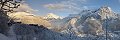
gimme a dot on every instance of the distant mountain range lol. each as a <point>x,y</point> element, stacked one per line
<point>93,22</point>
<point>86,25</point>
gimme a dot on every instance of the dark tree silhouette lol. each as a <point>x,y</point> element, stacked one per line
<point>5,7</point>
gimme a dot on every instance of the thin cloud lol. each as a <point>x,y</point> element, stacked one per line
<point>69,5</point>
<point>25,8</point>
<point>81,1</point>
<point>55,6</point>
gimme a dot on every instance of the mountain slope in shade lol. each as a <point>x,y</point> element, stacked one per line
<point>3,37</point>
<point>31,32</point>
<point>27,18</point>
<point>52,16</point>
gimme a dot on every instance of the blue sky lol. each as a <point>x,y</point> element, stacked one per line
<point>65,7</point>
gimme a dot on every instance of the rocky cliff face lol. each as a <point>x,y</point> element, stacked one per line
<point>106,12</point>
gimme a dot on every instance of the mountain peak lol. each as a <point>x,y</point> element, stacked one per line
<point>106,12</point>
<point>106,9</point>
<point>52,16</point>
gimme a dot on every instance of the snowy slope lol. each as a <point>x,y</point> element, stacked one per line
<point>28,18</point>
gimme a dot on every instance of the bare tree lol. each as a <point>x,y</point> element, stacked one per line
<point>9,5</point>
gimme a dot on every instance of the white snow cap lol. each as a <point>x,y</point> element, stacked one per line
<point>106,9</point>
<point>52,15</point>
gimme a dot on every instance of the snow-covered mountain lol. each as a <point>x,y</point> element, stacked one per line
<point>91,22</point>
<point>52,16</point>
<point>87,25</point>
